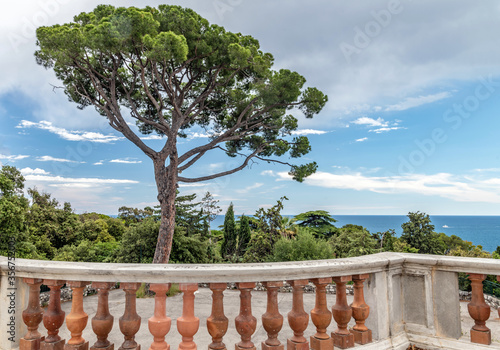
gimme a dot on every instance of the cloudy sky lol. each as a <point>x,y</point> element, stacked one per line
<point>412,121</point>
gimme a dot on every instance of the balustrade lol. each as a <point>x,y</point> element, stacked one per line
<point>53,317</point>
<point>272,320</point>
<point>76,321</point>
<point>298,319</point>
<point>159,324</point>
<point>130,322</point>
<point>32,316</point>
<point>342,314</point>
<point>245,322</point>
<point>407,299</point>
<point>321,316</point>
<point>102,322</point>
<point>360,311</point>
<point>479,311</point>
<point>188,324</point>
<point>217,323</point>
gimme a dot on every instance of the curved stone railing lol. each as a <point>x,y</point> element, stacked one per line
<point>399,299</point>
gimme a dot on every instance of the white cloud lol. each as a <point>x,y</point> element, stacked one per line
<point>268,173</point>
<point>251,187</point>
<point>12,157</point>
<point>361,139</point>
<point>81,180</point>
<point>457,188</point>
<point>194,184</point>
<point>53,159</point>
<point>69,135</point>
<point>36,171</point>
<point>412,102</point>
<point>126,161</point>
<point>99,163</point>
<point>152,137</point>
<point>370,121</point>
<point>305,132</point>
<point>385,129</point>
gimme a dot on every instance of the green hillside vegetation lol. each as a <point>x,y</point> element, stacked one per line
<point>42,228</point>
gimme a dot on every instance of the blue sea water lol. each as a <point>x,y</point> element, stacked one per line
<point>480,230</point>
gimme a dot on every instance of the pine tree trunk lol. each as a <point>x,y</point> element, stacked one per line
<point>166,182</point>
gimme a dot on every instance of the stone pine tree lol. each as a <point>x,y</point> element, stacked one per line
<point>173,73</point>
<point>244,234</point>
<point>228,247</point>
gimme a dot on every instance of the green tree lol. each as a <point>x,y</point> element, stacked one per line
<point>303,247</point>
<point>229,244</point>
<point>353,240</point>
<point>51,227</point>
<point>419,233</point>
<point>319,221</point>
<point>267,225</point>
<point>385,240</point>
<point>172,71</point>
<point>244,235</point>
<point>13,213</point>
<point>134,215</point>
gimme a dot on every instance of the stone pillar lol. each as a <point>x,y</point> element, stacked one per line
<point>360,311</point>
<point>217,323</point>
<point>53,317</point>
<point>130,322</point>
<point>321,316</point>
<point>342,313</point>
<point>188,324</point>
<point>76,321</point>
<point>102,322</point>
<point>32,316</point>
<point>272,320</point>
<point>298,319</point>
<point>245,322</point>
<point>159,324</point>
<point>14,295</point>
<point>479,311</point>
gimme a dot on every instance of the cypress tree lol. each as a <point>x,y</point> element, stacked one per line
<point>229,245</point>
<point>243,234</point>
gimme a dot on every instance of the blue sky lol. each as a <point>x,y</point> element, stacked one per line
<point>412,121</point>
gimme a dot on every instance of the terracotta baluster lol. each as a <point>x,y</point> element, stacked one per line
<point>188,324</point>
<point>342,313</point>
<point>272,320</point>
<point>360,311</point>
<point>217,323</point>
<point>102,322</point>
<point>53,317</point>
<point>130,322</point>
<point>298,319</point>
<point>321,316</point>
<point>479,311</point>
<point>159,324</point>
<point>245,322</point>
<point>32,316</point>
<point>76,321</point>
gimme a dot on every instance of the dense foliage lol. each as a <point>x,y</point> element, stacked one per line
<point>41,228</point>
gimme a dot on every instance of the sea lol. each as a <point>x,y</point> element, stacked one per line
<point>480,230</point>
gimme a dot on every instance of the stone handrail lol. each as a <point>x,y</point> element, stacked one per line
<point>410,299</point>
